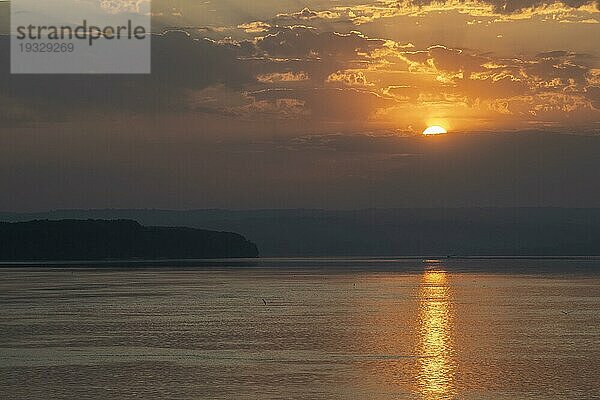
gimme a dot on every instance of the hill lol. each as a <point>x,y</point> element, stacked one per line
<point>383,232</point>
<point>65,240</point>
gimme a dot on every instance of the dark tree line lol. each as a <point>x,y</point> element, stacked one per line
<point>120,239</point>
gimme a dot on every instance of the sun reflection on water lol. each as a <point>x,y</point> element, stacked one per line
<point>435,348</point>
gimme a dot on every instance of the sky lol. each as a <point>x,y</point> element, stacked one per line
<point>319,104</point>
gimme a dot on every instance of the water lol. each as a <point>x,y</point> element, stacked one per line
<point>330,329</point>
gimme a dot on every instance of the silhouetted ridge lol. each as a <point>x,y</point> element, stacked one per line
<point>119,239</point>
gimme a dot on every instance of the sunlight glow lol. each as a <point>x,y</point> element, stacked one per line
<point>436,348</point>
<point>435,130</point>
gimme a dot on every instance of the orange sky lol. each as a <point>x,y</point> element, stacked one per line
<point>468,65</point>
<point>282,103</point>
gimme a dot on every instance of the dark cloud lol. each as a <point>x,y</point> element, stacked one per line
<point>319,54</point>
<point>510,6</point>
<point>330,103</point>
<point>593,93</point>
<point>514,6</point>
<point>304,14</point>
<point>449,60</point>
<point>560,67</point>
<point>490,89</point>
<point>342,79</point>
<point>453,60</point>
<point>179,64</point>
<point>300,41</point>
<point>372,12</point>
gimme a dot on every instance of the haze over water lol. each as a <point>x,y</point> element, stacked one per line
<point>321,328</point>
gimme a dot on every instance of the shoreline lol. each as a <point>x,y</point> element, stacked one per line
<point>269,260</point>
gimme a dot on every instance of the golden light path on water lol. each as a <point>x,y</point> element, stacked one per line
<point>435,347</point>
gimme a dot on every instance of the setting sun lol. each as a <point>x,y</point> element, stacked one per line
<point>434,130</point>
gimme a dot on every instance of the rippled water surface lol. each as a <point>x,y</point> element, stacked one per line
<point>303,329</point>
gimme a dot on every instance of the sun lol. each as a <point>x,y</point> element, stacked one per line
<point>435,130</point>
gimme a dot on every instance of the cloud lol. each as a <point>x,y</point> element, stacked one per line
<point>506,9</point>
<point>348,78</point>
<point>329,104</point>
<point>547,84</point>
<point>183,66</point>
<point>305,42</point>
<point>307,14</point>
<point>381,143</point>
<point>304,73</point>
<point>513,6</point>
<point>125,6</point>
<point>283,77</point>
<point>593,93</point>
<point>179,64</point>
<point>255,27</point>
